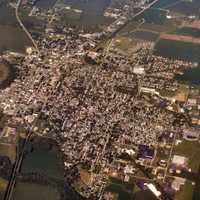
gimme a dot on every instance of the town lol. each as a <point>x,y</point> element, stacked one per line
<point>112,104</point>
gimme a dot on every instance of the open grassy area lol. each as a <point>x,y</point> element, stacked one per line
<point>131,26</point>
<point>45,162</point>
<point>145,35</point>
<point>3,186</point>
<point>124,190</point>
<point>136,189</point>
<point>9,151</point>
<point>168,26</point>
<point>70,15</point>
<point>187,51</point>
<point>85,176</point>
<point>186,192</point>
<point>190,150</point>
<point>167,93</point>
<point>31,191</point>
<point>182,93</point>
<point>123,43</point>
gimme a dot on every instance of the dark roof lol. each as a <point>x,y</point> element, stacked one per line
<point>145,151</point>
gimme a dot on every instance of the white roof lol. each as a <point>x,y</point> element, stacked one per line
<point>178,160</point>
<point>153,190</point>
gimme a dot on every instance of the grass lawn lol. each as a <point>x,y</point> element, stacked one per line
<point>124,43</point>
<point>85,176</point>
<point>9,151</point>
<point>136,189</point>
<point>186,192</point>
<point>182,93</point>
<point>31,191</point>
<point>190,150</point>
<point>3,186</point>
<point>124,190</point>
<point>168,26</point>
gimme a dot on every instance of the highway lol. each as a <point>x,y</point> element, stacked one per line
<point>22,25</point>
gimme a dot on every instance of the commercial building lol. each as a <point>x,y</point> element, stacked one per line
<point>191,135</point>
<point>139,70</point>
<point>148,90</point>
<point>179,161</point>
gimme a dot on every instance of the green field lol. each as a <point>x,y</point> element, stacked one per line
<point>8,150</point>
<point>188,31</point>
<point>186,192</point>
<point>177,50</point>
<point>3,185</point>
<point>45,162</point>
<point>190,150</point>
<point>26,191</point>
<point>124,190</point>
